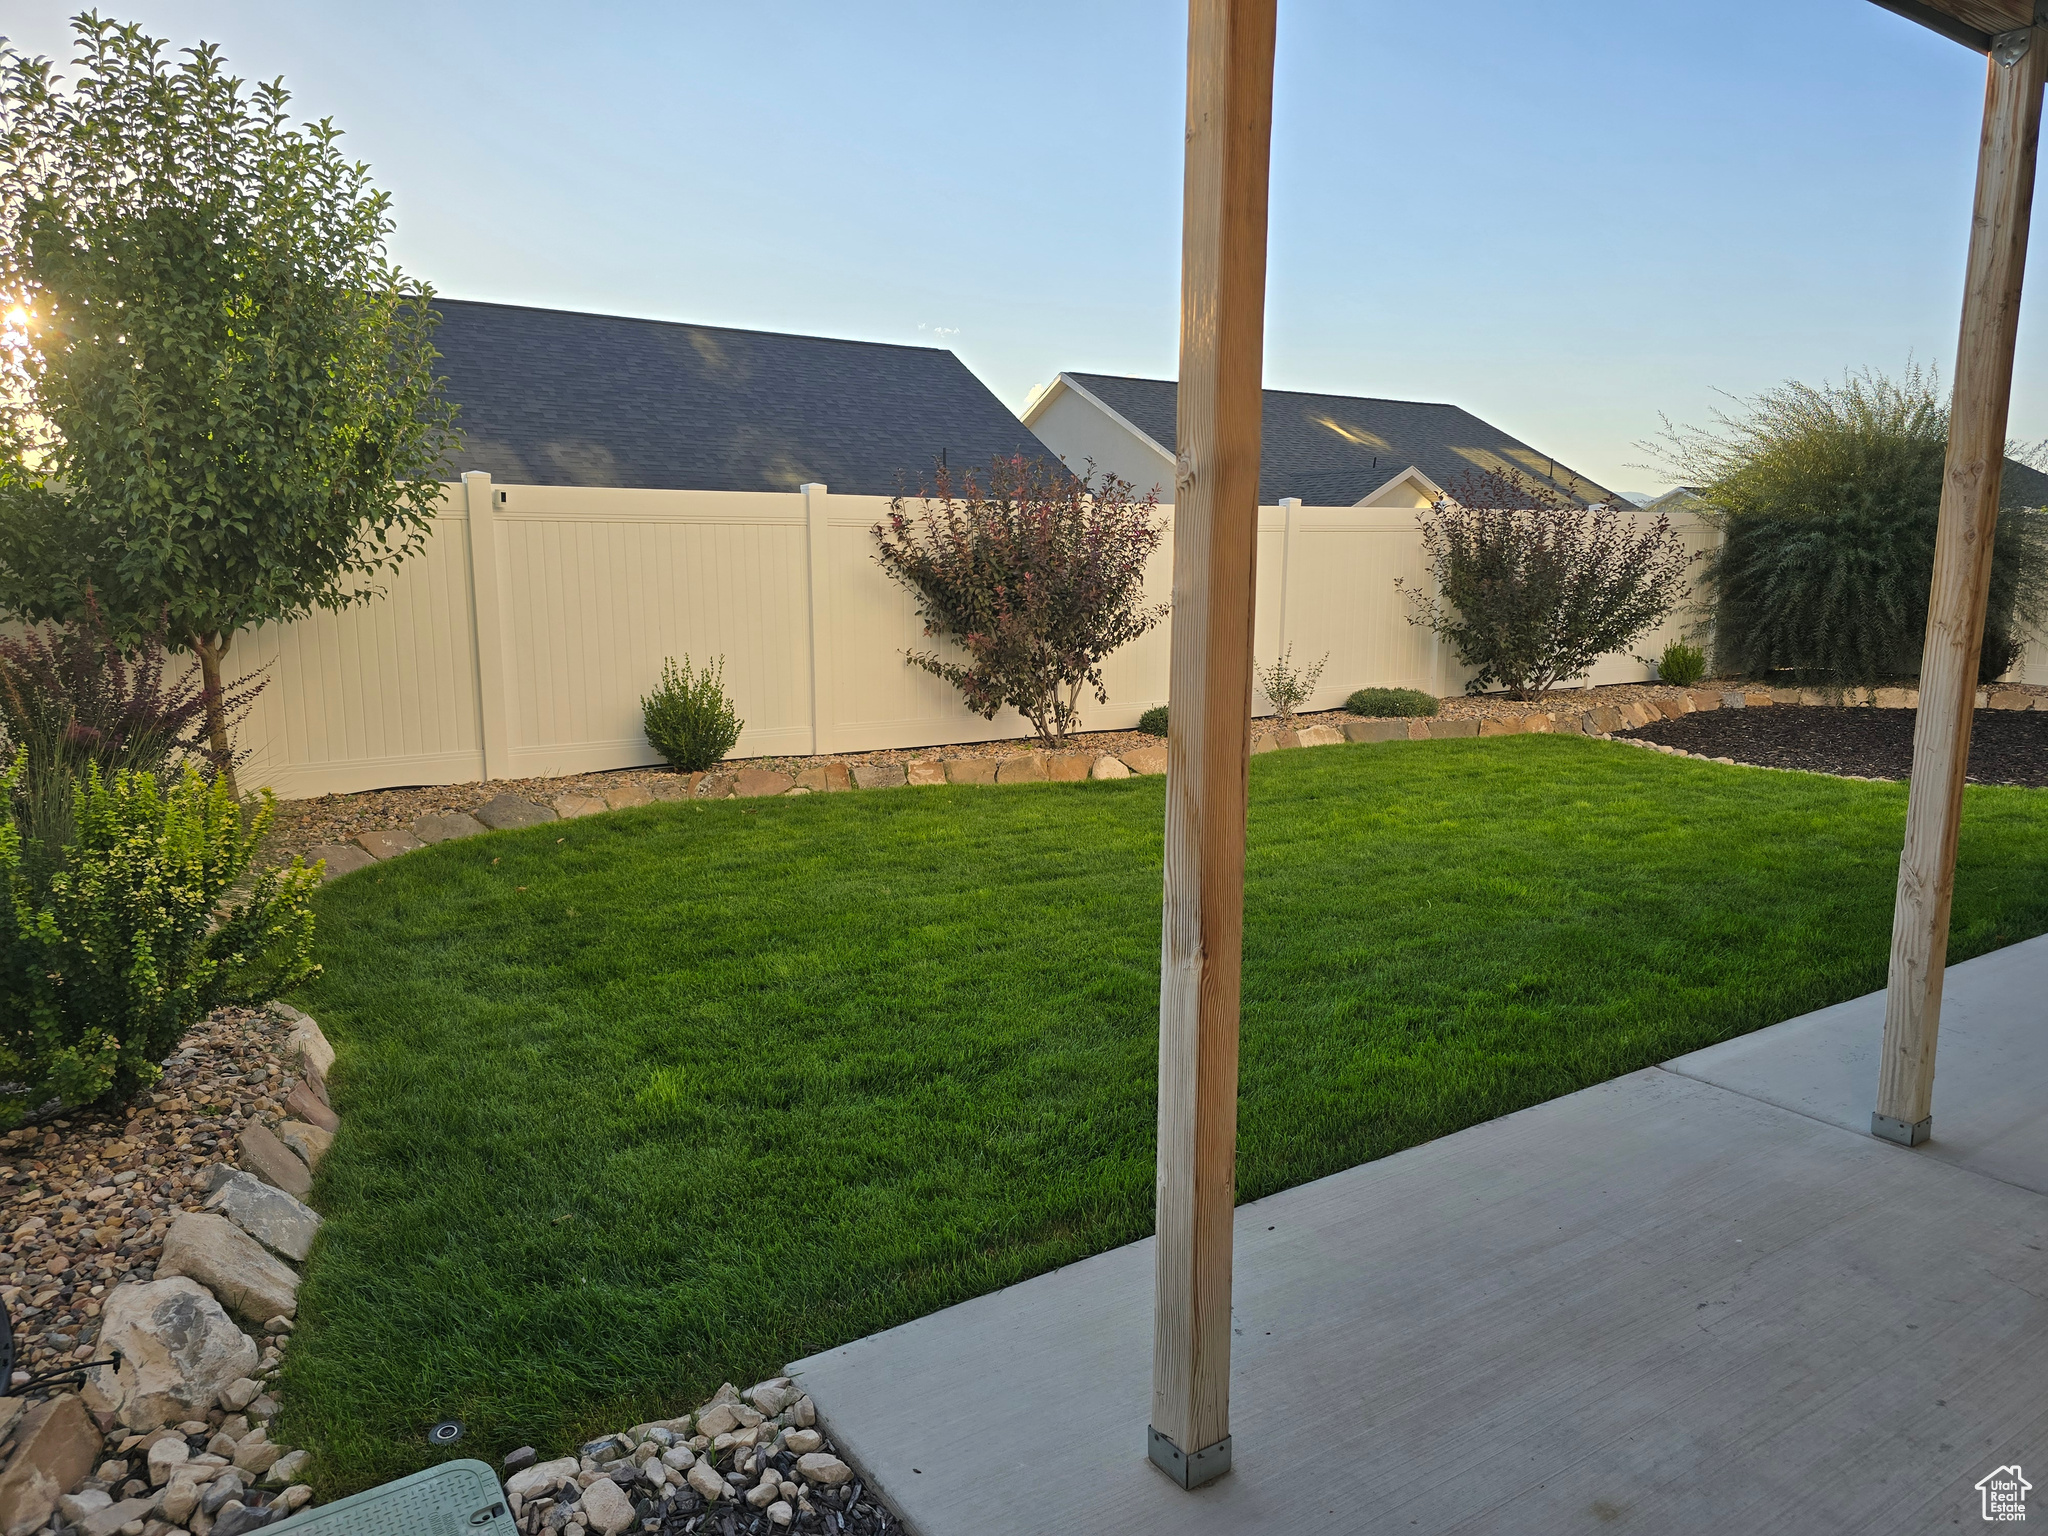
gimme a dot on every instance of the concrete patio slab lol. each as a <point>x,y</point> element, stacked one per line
<point>1991,1066</point>
<point>1660,1304</point>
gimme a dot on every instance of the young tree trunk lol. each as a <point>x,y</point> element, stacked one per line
<point>210,649</point>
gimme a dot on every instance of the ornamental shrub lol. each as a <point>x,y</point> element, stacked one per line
<point>70,697</point>
<point>690,719</point>
<point>1682,664</point>
<point>1386,703</point>
<point>1153,721</point>
<point>1827,499</point>
<point>152,922</point>
<point>1288,687</point>
<point>1532,588</point>
<point>1036,578</point>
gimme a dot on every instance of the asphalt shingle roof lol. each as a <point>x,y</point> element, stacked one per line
<point>1331,450</point>
<point>556,397</point>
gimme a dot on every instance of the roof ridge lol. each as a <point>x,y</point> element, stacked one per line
<point>695,325</point>
<point>1274,389</point>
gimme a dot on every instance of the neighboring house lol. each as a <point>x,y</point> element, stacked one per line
<point>1329,450</point>
<point>558,397</point>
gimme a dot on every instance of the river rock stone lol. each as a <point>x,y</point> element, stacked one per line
<point>824,1470</point>
<point>276,1220</point>
<point>446,826</point>
<point>286,1469</point>
<point>387,844</point>
<point>707,1482</point>
<point>309,1142</point>
<point>114,1518</point>
<point>165,1457</point>
<point>181,1495</point>
<point>801,1442</point>
<point>773,1395</point>
<point>306,1048</point>
<point>74,1507</point>
<point>176,1349</point>
<point>254,1453</point>
<point>1375,730</point>
<point>308,1106</point>
<point>538,1479</point>
<point>231,1264</point>
<point>879,775</point>
<point>507,811</point>
<point>825,778</point>
<point>54,1449</point>
<point>780,1512</point>
<point>340,859</point>
<point>753,783</point>
<point>606,1507</point>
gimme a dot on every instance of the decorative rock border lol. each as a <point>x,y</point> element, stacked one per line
<point>173,1436</point>
<point>752,1461</point>
<point>1561,715</point>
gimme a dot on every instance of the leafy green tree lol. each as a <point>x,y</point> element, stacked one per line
<point>217,399</point>
<point>1827,497</point>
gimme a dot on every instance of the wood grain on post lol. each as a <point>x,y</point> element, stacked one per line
<point>1961,589</point>
<point>1215,515</point>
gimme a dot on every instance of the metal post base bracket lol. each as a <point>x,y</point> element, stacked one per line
<point>1190,1471</point>
<point>1905,1135</point>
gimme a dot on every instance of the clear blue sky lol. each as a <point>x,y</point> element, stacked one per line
<point>1563,216</point>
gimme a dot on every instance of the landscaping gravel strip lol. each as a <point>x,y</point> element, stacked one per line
<point>750,1462</point>
<point>110,1250</point>
<point>2006,747</point>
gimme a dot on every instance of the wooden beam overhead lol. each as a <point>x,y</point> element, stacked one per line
<point>1972,23</point>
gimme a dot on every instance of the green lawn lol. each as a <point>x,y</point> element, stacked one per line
<point>645,1101</point>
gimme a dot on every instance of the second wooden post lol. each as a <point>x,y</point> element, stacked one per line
<point>1962,582</point>
<point>1215,527</point>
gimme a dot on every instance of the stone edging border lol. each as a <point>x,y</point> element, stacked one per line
<point>508,811</point>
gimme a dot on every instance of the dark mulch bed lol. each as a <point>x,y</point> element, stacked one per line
<point>2006,746</point>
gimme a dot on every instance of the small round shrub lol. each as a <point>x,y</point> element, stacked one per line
<point>1153,721</point>
<point>1387,703</point>
<point>689,718</point>
<point>1681,664</point>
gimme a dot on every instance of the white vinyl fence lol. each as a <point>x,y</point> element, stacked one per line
<point>520,642</point>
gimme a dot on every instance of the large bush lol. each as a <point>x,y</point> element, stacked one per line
<point>1531,588</point>
<point>690,719</point>
<point>148,926</point>
<point>1036,577</point>
<point>1828,499</point>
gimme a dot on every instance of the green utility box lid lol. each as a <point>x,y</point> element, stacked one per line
<point>457,1498</point>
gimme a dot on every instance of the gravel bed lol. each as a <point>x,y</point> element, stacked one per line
<point>2006,747</point>
<point>753,1463</point>
<point>86,1199</point>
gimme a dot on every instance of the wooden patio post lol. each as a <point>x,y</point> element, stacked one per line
<point>1215,518</point>
<point>1962,581</point>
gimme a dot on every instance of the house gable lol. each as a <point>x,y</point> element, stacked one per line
<point>1329,450</point>
<point>557,397</point>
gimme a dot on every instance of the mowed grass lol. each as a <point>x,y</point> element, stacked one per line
<point>638,1103</point>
